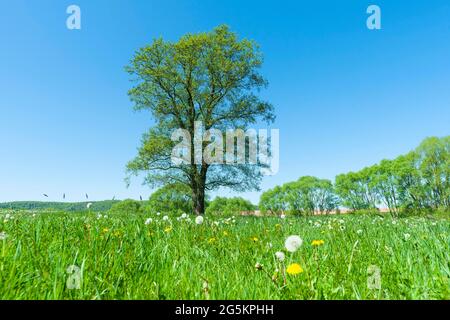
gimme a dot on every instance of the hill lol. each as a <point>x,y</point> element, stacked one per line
<point>60,206</point>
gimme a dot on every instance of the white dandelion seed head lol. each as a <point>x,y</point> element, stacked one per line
<point>3,235</point>
<point>184,216</point>
<point>199,220</point>
<point>359,231</point>
<point>407,236</point>
<point>283,216</point>
<point>165,218</point>
<point>7,216</point>
<point>148,221</point>
<point>293,243</point>
<point>158,213</point>
<point>280,255</point>
<point>89,205</point>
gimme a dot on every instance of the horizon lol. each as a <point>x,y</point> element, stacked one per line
<point>69,127</point>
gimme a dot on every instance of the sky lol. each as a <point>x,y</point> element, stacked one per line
<point>345,96</point>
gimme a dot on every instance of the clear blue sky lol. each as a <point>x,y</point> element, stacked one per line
<point>345,96</point>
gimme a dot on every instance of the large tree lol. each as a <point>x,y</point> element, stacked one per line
<point>210,77</point>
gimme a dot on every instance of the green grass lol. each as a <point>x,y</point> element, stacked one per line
<point>121,257</point>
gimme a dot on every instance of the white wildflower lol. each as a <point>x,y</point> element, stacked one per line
<point>148,221</point>
<point>293,243</point>
<point>199,220</point>
<point>280,255</point>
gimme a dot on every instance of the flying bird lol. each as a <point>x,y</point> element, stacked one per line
<point>140,197</point>
<point>45,195</point>
<point>64,195</point>
<point>87,197</point>
<point>114,198</point>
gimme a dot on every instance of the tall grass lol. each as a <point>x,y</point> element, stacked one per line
<point>121,257</point>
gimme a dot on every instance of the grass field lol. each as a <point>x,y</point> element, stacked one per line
<point>122,257</point>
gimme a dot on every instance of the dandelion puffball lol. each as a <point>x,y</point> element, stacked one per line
<point>148,221</point>
<point>165,218</point>
<point>199,220</point>
<point>293,243</point>
<point>283,216</point>
<point>280,255</point>
<point>89,205</point>
<point>184,216</point>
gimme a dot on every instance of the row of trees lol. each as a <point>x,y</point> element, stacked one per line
<point>415,181</point>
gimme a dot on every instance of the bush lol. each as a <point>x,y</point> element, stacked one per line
<point>229,206</point>
<point>127,206</point>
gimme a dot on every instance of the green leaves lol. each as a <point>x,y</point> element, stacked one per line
<point>212,77</point>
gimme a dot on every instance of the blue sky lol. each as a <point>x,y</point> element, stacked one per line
<point>345,96</point>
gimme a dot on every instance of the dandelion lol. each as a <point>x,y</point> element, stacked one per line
<point>258,266</point>
<point>168,229</point>
<point>225,233</point>
<point>294,269</point>
<point>293,243</point>
<point>158,213</point>
<point>317,243</point>
<point>254,239</point>
<point>148,221</point>
<point>184,216</point>
<point>407,236</point>
<point>212,240</point>
<point>105,230</point>
<point>89,205</point>
<point>280,255</point>
<point>165,218</point>
<point>199,220</point>
<point>278,226</point>
<point>283,216</point>
<point>3,235</point>
<point>359,231</point>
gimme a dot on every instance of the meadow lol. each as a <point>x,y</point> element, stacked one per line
<point>142,256</point>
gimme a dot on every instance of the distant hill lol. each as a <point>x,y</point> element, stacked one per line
<point>61,206</point>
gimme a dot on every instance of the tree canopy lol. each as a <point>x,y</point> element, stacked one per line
<point>212,78</point>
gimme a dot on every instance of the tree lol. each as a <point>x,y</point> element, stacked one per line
<point>433,162</point>
<point>229,206</point>
<point>172,197</point>
<point>305,196</point>
<point>209,77</point>
<point>356,190</point>
<point>273,200</point>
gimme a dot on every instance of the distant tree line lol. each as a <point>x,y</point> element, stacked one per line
<point>416,181</point>
<point>59,206</point>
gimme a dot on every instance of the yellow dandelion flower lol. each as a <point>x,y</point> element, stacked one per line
<point>278,226</point>
<point>317,242</point>
<point>225,233</point>
<point>105,230</point>
<point>212,240</point>
<point>294,269</point>
<point>254,239</point>
<point>168,229</point>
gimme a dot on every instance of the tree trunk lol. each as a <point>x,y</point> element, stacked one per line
<point>198,193</point>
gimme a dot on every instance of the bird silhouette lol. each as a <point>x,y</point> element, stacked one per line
<point>114,198</point>
<point>87,197</point>
<point>45,195</point>
<point>140,197</point>
<point>64,195</point>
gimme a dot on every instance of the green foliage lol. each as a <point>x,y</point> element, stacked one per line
<point>127,206</point>
<point>172,198</point>
<point>211,77</point>
<point>305,196</point>
<point>221,206</point>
